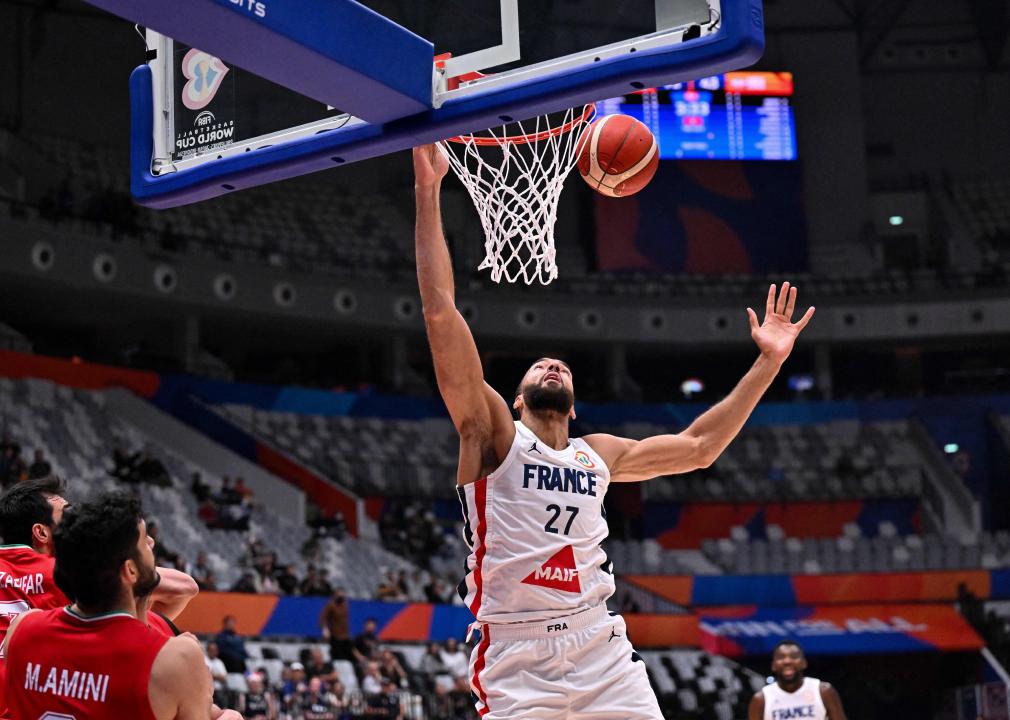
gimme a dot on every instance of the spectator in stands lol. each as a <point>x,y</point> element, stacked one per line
<point>150,470</point>
<point>334,623</point>
<point>414,586</point>
<point>209,583</point>
<point>436,591</point>
<point>234,516</point>
<point>12,467</point>
<point>267,574</point>
<point>629,604</point>
<point>315,583</point>
<point>40,468</point>
<point>392,670</point>
<point>371,682</point>
<point>367,643</point>
<point>218,672</point>
<point>389,589</point>
<point>456,661</point>
<point>247,583</point>
<point>462,704</point>
<point>440,705</point>
<point>342,700</point>
<point>293,683</point>
<point>316,703</point>
<point>227,495</point>
<point>312,549</point>
<point>200,489</point>
<point>161,553</point>
<point>123,465</point>
<point>386,704</point>
<point>318,667</point>
<point>287,580</point>
<point>257,703</point>
<point>209,513</point>
<point>432,663</point>
<point>231,646</point>
<point>201,570</point>
<point>243,491</point>
<point>328,525</point>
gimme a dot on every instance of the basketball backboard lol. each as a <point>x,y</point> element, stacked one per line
<point>238,93</point>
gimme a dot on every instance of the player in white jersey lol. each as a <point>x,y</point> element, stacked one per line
<point>538,580</point>
<point>793,696</point>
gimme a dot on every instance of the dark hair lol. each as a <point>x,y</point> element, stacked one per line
<point>91,544</point>
<point>24,505</point>
<point>790,643</point>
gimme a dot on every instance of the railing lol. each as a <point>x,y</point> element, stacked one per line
<point>945,492</point>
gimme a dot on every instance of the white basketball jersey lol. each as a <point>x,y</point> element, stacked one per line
<point>800,705</point>
<point>535,527</point>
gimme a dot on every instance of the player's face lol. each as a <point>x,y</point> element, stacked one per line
<point>148,577</point>
<point>548,385</point>
<point>788,663</point>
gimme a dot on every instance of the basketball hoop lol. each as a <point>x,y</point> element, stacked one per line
<point>515,175</point>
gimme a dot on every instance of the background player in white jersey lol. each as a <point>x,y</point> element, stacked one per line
<point>538,580</point>
<point>793,696</point>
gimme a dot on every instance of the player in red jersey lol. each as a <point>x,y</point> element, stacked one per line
<point>29,513</point>
<point>94,659</point>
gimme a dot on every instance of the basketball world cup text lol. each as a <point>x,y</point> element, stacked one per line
<point>560,479</point>
<point>67,683</point>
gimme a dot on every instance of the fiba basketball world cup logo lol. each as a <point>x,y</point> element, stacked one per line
<point>204,74</point>
<point>201,80</point>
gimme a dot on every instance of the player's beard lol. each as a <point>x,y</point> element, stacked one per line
<point>147,582</point>
<point>547,398</point>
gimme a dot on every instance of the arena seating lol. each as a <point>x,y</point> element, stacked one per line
<point>984,205</point>
<point>78,435</point>
<point>314,228</point>
<point>304,225</point>
<point>844,459</point>
<point>886,552</point>
<point>691,684</point>
<point>369,456</point>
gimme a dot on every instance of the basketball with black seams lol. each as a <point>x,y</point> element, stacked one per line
<point>619,156</point>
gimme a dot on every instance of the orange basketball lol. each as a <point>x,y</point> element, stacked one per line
<point>619,156</point>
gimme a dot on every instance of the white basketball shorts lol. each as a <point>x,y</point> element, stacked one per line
<point>579,667</point>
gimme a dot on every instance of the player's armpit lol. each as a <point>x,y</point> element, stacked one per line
<point>637,460</point>
<point>756,709</point>
<point>180,687</point>
<point>832,702</point>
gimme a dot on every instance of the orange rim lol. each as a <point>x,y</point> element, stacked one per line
<point>587,113</point>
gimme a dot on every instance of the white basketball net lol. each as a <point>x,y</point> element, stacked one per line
<point>515,181</point>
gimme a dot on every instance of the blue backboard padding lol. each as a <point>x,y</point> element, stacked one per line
<point>335,51</point>
<point>739,43</point>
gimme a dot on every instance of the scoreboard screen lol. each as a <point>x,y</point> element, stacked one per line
<point>736,116</point>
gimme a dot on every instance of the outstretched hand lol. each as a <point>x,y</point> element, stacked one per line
<point>776,336</point>
<point>430,165</point>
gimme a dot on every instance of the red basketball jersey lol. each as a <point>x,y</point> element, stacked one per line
<point>66,665</point>
<point>163,625</point>
<point>26,582</point>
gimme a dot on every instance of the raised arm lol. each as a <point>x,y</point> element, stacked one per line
<point>180,686</point>
<point>173,593</point>
<point>479,413</point>
<point>705,439</point>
